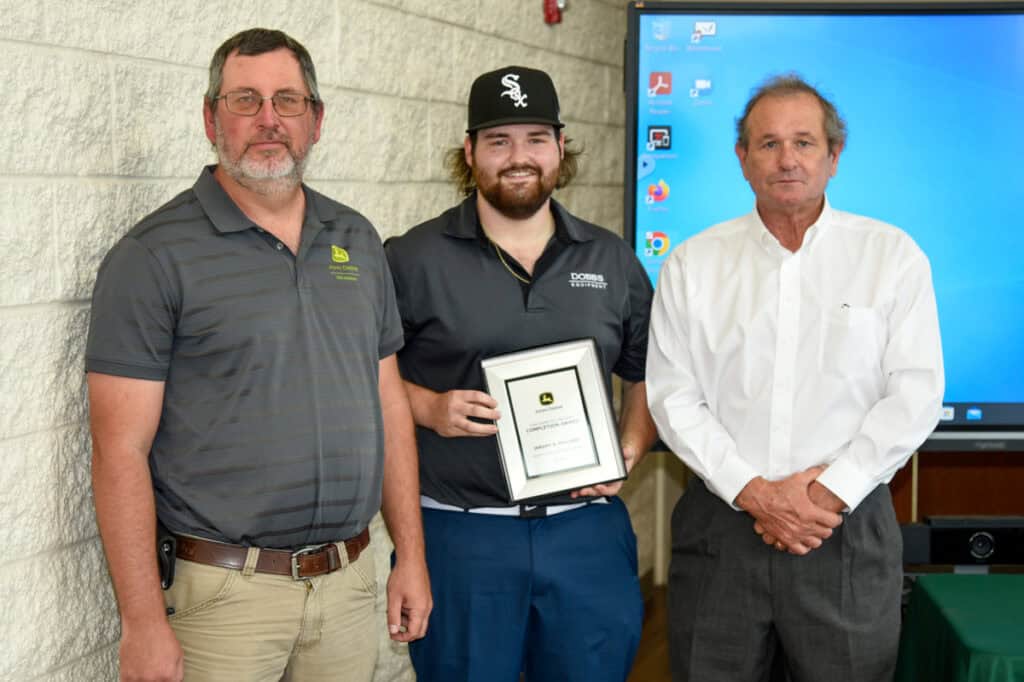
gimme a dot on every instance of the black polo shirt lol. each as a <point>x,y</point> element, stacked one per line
<point>271,431</point>
<point>459,305</point>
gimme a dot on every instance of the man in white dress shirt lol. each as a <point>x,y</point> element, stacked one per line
<point>794,365</point>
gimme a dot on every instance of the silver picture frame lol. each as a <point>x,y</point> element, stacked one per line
<point>557,430</point>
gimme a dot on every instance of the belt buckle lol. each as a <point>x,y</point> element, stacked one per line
<point>310,549</point>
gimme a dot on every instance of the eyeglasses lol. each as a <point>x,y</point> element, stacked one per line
<point>249,103</point>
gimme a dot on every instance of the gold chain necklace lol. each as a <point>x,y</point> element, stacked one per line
<point>512,272</point>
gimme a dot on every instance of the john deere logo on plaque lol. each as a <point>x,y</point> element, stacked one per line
<point>546,398</point>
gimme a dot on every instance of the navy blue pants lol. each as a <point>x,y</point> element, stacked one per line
<point>556,598</point>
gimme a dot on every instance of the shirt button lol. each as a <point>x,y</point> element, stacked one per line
<point>279,246</point>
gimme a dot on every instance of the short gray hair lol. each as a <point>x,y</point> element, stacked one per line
<point>793,84</point>
<point>255,41</point>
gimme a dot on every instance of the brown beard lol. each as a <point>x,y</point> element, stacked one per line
<point>517,203</point>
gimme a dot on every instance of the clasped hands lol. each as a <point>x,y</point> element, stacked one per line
<point>795,514</point>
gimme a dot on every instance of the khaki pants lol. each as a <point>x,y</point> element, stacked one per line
<point>247,626</point>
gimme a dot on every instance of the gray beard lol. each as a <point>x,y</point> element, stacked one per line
<point>257,177</point>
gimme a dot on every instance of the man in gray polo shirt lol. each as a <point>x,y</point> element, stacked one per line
<point>244,390</point>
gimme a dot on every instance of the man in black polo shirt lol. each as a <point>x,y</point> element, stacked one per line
<point>549,590</point>
<point>243,389</point>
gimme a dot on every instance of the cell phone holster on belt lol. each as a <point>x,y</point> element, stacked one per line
<point>166,553</point>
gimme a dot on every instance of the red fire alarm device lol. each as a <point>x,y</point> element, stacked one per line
<point>553,11</point>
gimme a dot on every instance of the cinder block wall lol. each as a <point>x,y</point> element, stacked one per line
<point>102,124</point>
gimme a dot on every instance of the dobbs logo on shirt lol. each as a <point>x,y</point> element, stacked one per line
<point>587,280</point>
<point>340,267</point>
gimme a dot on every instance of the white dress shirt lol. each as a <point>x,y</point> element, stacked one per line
<point>764,362</point>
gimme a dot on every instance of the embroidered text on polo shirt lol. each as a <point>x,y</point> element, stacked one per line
<point>342,270</point>
<point>589,280</point>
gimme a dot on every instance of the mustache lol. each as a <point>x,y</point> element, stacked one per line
<point>269,136</point>
<point>520,167</point>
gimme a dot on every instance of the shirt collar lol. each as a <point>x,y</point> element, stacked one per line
<point>226,217</point>
<point>767,240</point>
<point>464,223</point>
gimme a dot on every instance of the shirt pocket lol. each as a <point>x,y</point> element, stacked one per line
<point>851,341</point>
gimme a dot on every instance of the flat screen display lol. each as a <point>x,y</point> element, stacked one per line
<point>933,96</point>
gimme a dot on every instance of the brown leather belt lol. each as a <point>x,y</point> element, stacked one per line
<point>302,563</point>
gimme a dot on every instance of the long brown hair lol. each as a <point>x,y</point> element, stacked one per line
<point>461,174</point>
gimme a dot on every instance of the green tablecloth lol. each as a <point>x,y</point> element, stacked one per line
<point>964,628</point>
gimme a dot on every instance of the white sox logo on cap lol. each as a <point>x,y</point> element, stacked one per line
<point>514,92</point>
<point>499,98</point>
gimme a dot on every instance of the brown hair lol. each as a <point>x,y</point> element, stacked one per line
<point>792,84</point>
<point>461,174</point>
<point>256,41</point>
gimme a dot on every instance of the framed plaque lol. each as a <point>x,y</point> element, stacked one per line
<point>557,430</point>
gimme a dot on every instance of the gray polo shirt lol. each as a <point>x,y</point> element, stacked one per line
<point>271,431</point>
<point>460,304</point>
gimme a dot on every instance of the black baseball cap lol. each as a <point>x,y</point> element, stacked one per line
<point>514,94</point>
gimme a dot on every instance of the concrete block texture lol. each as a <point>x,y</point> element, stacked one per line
<point>46,493</point>
<point>107,97</point>
<point>28,245</point>
<point>185,32</point>
<point>98,665</point>
<point>420,53</point>
<point>156,108</point>
<point>461,13</point>
<point>65,611</point>
<point>63,106</point>
<point>371,137</point>
<point>42,385</point>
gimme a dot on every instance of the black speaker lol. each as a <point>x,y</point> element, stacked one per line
<point>976,539</point>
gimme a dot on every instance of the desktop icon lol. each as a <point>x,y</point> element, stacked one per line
<point>661,29</point>
<point>948,413</point>
<point>659,83</point>
<point>702,29</point>
<point>657,192</point>
<point>701,87</point>
<point>705,28</point>
<point>974,414</point>
<point>659,137</point>
<point>656,244</point>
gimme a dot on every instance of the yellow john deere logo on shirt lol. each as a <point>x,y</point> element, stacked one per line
<point>546,398</point>
<point>343,271</point>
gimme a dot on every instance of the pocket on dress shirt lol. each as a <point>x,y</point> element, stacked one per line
<point>851,345</point>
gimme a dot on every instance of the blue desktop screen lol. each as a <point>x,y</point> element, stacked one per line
<point>934,105</point>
